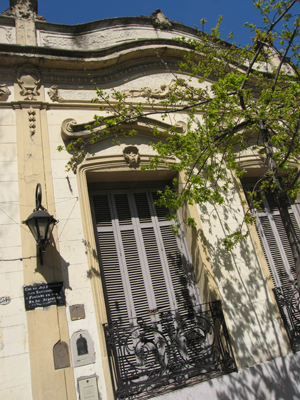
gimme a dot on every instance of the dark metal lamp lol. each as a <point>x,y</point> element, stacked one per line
<point>40,223</point>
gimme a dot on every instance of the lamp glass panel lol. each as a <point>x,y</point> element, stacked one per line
<point>31,223</point>
<point>50,228</point>
<point>43,223</point>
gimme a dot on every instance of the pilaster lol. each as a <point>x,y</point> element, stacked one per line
<point>25,13</point>
<point>46,326</point>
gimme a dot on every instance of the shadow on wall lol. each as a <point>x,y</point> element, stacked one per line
<point>275,380</point>
<point>55,267</point>
<point>278,379</point>
<point>250,315</point>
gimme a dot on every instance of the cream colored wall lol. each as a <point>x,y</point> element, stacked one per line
<point>15,376</point>
<point>73,251</point>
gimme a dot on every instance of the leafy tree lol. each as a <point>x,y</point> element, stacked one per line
<point>253,98</point>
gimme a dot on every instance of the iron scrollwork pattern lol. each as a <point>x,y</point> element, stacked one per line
<point>148,357</point>
<point>289,306</point>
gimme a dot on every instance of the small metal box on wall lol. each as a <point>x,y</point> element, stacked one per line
<point>88,388</point>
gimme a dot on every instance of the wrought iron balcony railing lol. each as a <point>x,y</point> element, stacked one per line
<point>165,350</point>
<point>289,306</point>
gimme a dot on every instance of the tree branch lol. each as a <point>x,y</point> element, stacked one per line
<point>261,44</point>
<point>283,58</point>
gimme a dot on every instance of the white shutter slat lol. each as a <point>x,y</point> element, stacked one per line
<point>273,255</point>
<point>142,206</point>
<point>160,211</point>
<point>135,273</point>
<point>112,276</point>
<point>102,211</point>
<point>179,279</point>
<point>123,210</point>
<point>285,243</point>
<point>156,270</point>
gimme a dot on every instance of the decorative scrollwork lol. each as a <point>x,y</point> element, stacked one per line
<point>182,90</point>
<point>288,301</point>
<point>159,20</point>
<point>54,93</point>
<point>23,10</point>
<point>132,156</point>
<point>71,130</point>
<point>168,349</point>
<point>29,80</point>
<point>4,300</point>
<point>4,92</point>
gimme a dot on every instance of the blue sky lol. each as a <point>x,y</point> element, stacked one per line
<point>189,12</point>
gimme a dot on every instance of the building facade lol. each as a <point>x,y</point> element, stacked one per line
<point>119,307</point>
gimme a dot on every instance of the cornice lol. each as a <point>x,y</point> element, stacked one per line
<point>11,50</point>
<point>115,75</point>
<point>104,68</point>
<point>142,21</point>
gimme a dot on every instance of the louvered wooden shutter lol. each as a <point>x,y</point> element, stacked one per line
<point>145,267</point>
<point>275,241</point>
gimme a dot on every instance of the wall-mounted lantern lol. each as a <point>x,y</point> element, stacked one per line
<point>40,223</point>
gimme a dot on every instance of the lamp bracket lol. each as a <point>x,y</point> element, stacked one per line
<point>38,198</point>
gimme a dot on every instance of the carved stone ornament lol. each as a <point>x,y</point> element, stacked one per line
<point>29,80</point>
<point>31,119</point>
<point>5,34</point>
<point>23,9</point>
<point>4,92</point>
<point>159,20</point>
<point>132,156</point>
<point>54,93</point>
<point>5,300</point>
<point>183,91</point>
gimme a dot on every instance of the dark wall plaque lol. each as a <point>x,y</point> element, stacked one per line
<point>44,295</point>
<point>77,312</point>
<point>61,355</point>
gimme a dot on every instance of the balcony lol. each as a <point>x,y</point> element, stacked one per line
<point>289,306</point>
<point>167,350</point>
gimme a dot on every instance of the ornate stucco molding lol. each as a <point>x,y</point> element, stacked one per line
<point>70,130</point>
<point>23,9</point>
<point>29,80</point>
<point>31,118</point>
<point>159,20</point>
<point>183,91</point>
<point>4,300</point>
<point>6,34</point>
<point>108,78</point>
<point>54,94</point>
<point>132,156</point>
<point>4,92</point>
